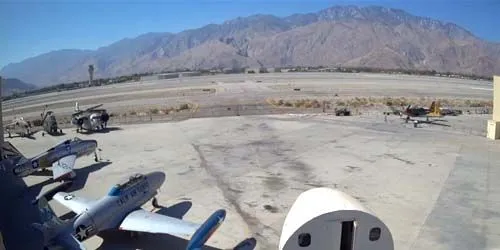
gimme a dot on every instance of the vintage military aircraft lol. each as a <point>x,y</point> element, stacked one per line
<point>432,111</point>
<point>90,119</point>
<point>120,209</point>
<point>415,111</point>
<point>49,123</point>
<point>19,126</point>
<point>60,157</point>
<point>411,112</point>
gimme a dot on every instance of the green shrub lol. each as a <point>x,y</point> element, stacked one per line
<point>154,111</point>
<point>184,106</point>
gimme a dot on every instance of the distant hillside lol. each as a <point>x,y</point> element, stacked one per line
<point>343,35</point>
<point>11,85</point>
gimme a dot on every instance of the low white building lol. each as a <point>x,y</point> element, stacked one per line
<point>324,218</point>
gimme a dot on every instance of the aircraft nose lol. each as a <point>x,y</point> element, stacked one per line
<point>157,179</point>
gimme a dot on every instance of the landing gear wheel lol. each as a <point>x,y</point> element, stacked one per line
<point>154,202</point>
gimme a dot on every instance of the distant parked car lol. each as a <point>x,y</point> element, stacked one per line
<point>342,112</point>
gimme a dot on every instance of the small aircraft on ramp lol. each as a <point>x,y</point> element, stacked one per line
<point>19,126</point>
<point>90,119</point>
<point>49,123</point>
<point>120,209</point>
<point>61,158</point>
<point>433,111</point>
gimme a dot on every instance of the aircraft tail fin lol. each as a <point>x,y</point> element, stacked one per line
<point>10,151</point>
<point>201,236</point>
<point>54,230</point>
<point>434,110</point>
<point>42,229</point>
<point>48,217</point>
<point>11,156</point>
<point>50,223</point>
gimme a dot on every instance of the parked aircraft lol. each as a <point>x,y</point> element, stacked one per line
<point>60,157</point>
<point>120,209</point>
<point>434,111</point>
<point>49,123</point>
<point>19,126</point>
<point>90,119</point>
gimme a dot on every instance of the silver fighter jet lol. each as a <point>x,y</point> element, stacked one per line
<point>61,158</point>
<point>120,209</point>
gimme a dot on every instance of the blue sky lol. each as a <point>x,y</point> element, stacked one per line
<point>34,27</point>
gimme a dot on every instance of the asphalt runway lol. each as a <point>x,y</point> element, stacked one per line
<point>248,88</point>
<point>435,187</point>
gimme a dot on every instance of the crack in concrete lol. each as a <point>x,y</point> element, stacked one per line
<point>251,221</point>
<point>400,159</point>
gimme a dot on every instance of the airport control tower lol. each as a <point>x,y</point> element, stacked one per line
<point>91,74</point>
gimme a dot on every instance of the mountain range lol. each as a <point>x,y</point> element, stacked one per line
<point>12,85</point>
<point>341,35</point>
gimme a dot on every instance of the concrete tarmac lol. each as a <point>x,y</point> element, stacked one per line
<point>435,187</point>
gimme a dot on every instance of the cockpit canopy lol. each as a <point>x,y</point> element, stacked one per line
<point>125,183</point>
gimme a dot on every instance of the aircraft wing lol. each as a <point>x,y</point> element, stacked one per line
<point>64,167</point>
<point>75,203</point>
<point>144,221</point>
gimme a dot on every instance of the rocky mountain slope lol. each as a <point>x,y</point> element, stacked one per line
<point>11,85</point>
<point>343,35</point>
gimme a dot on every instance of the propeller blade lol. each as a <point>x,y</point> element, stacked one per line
<point>94,107</point>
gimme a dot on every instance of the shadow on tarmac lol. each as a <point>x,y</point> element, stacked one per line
<point>113,240</point>
<point>102,131</point>
<point>17,215</point>
<point>177,210</point>
<point>82,174</point>
<point>54,135</point>
<point>121,240</point>
<point>31,137</point>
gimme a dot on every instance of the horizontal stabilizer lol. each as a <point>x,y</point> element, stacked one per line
<point>10,151</point>
<point>11,155</point>
<point>75,203</point>
<point>201,236</point>
<point>48,195</point>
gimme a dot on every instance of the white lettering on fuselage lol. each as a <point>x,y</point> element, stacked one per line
<point>130,193</point>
